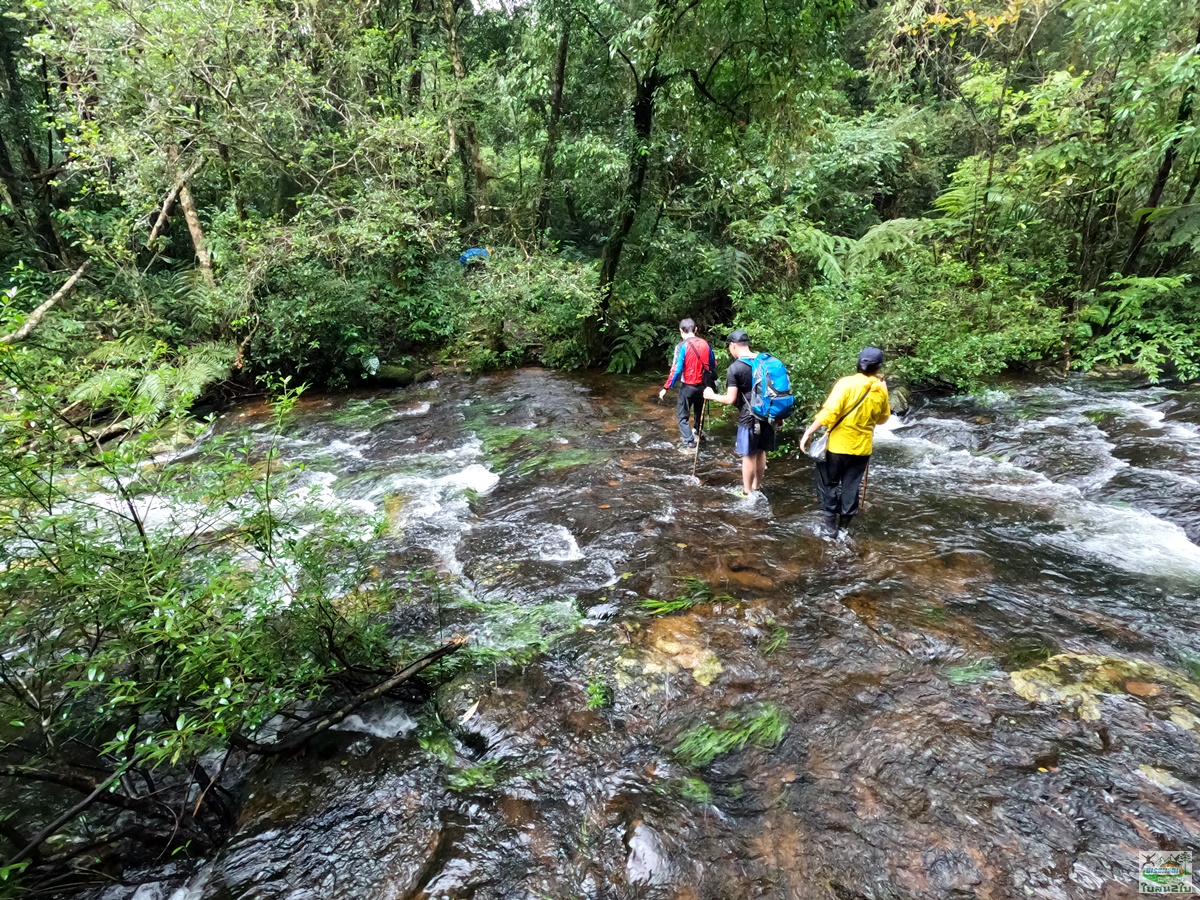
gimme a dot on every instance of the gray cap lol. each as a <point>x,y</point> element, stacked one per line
<point>737,336</point>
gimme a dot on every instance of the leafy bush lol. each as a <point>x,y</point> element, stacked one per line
<point>519,309</point>
<point>1153,323</point>
<point>938,320</point>
<point>153,611</point>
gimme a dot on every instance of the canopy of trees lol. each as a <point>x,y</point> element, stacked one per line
<point>287,186</point>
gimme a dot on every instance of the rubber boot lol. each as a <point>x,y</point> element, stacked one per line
<point>831,524</point>
<point>844,522</point>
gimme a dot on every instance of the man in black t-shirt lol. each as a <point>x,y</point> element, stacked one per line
<point>754,437</point>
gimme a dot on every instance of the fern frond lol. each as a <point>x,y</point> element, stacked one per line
<point>150,398</point>
<point>107,385</point>
<point>201,366</point>
<point>886,239</point>
<point>826,250</point>
<point>134,349</point>
<point>628,347</point>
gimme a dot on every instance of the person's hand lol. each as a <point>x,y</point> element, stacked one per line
<point>710,394</point>
<point>662,393</point>
<point>803,443</point>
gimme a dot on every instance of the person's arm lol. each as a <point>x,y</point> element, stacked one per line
<point>728,398</point>
<point>809,433</point>
<point>885,411</point>
<point>826,415</point>
<point>731,391</point>
<point>676,369</point>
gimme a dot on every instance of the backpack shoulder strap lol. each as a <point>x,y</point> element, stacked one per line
<point>851,409</point>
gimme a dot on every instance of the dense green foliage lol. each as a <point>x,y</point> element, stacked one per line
<point>970,185</point>
<point>155,614</point>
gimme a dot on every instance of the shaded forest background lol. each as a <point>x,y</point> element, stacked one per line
<point>266,187</point>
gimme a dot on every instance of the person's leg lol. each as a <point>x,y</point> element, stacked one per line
<point>699,410</point>
<point>765,443</point>
<point>749,473</point>
<point>695,394</point>
<point>827,497</point>
<point>854,467</point>
<point>743,448</point>
<point>760,467</point>
<point>681,413</point>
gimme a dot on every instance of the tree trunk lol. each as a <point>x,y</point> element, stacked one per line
<point>13,194</point>
<point>552,127</point>
<point>631,201</point>
<point>475,177</point>
<point>32,320</point>
<point>639,164</point>
<point>1182,117</point>
<point>414,50</point>
<point>203,256</point>
<point>39,188</point>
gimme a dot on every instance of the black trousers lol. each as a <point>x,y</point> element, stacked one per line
<point>689,406</point>
<point>839,481</point>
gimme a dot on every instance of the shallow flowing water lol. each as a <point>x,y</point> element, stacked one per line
<point>991,694</point>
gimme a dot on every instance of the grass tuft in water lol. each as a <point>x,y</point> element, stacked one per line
<point>486,774</point>
<point>694,790</point>
<point>1025,652</point>
<point>778,637</point>
<point>434,737</point>
<point>1190,660</point>
<point>697,591</point>
<point>761,725</point>
<point>969,672</point>
<point>363,413</point>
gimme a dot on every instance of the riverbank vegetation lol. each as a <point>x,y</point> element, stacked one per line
<point>164,622</point>
<point>286,189</point>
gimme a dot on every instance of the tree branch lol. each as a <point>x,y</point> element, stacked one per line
<point>183,179</point>
<point>36,316</point>
<point>298,737</point>
<point>704,91</point>
<point>51,829</point>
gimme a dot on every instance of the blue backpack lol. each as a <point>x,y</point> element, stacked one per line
<point>771,390</point>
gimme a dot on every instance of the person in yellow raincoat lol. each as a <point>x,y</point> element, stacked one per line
<point>855,406</point>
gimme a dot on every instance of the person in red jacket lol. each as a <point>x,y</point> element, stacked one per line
<point>694,365</point>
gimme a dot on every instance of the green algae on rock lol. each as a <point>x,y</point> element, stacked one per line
<point>1081,681</point>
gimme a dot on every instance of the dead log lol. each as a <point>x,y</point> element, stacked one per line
<point>31,322</point>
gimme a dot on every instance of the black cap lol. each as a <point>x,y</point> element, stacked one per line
<point>869,359</point>
<point>737,336</point>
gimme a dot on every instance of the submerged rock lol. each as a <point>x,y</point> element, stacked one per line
<point>399,376</point>
<point>647,861</point>
<point>1081,681</point>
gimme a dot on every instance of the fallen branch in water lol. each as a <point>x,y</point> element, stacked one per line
<point>36,316</point>
<point>98,435</point>
<point>297,738</point>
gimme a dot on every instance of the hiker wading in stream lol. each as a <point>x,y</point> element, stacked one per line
<point>855,406</point>
<point>694,366</point>
<point>754,438</point>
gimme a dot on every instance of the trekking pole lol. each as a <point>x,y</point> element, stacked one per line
<point>699,425</point>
